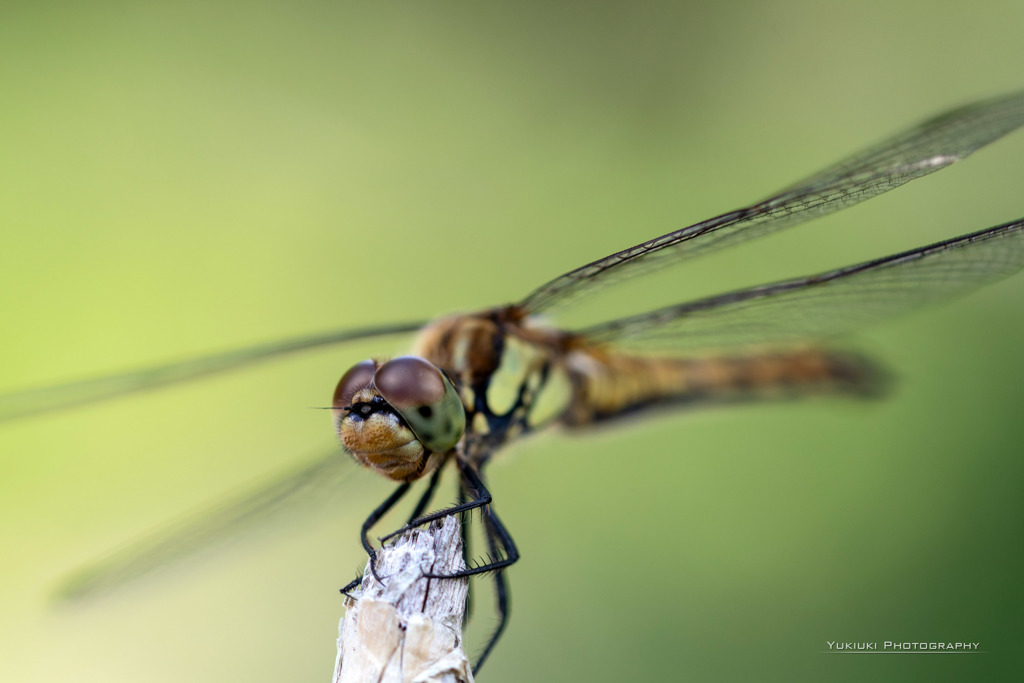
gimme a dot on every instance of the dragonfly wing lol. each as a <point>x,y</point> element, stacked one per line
<point>928,147</point>
<point>304,489</point>
<point>54,397</point>
<point>826,304</point>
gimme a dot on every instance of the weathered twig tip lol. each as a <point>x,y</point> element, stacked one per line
<point>409,630</point>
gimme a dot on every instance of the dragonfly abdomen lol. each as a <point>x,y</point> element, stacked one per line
<point>610,385</point>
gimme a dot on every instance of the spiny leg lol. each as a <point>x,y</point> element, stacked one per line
<point>464,532</point>
<point>480,497</point>
<point>427,496</point>
<point>474,485</point>
<point>496,533</point>
<point>364,536</point>
<point>499,544</point>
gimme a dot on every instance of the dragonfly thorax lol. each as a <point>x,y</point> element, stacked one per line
<point>509,370</point>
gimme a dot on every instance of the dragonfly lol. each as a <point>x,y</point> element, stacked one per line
<point>475,382</point>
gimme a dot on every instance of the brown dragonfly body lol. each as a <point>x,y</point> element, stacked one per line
<point>517,375</point>
<point>480,380</point>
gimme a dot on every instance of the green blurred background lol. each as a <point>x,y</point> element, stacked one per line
<point>180,178</point>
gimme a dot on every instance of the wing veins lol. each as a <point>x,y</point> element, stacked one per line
<point>919,151</point>
<point>65,395</point>
<point>828,303</point>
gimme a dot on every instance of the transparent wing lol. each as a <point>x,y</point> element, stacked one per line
<point>826,304</point>
<point>926,148</point>
<point>54,397</point>
<point>304,489</point>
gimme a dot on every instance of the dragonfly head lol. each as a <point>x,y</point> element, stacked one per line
<point>398,417</point>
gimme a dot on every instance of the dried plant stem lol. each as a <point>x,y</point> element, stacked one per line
<point>409,630</point>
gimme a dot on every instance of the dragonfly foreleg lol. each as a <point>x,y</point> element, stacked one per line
<point>427,496</point>
<point>382,510</point>
<point>364,535</point>
<point>480,497</point>
<point>347,589</point>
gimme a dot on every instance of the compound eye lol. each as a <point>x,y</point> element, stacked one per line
<point>409,382</point>
<point>357,378</point>
<point>425,398</point>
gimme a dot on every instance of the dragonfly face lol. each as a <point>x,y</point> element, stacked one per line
<point>400,417</point>
<point>480,380</point>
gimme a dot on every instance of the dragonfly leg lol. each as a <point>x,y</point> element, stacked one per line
<point>496,533</point>
<point>347,589</point>
<point>427,496</point>
<point>498,538</point>
<point>480,497</point>
<point>464,533</point>
<point>364,535</point>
